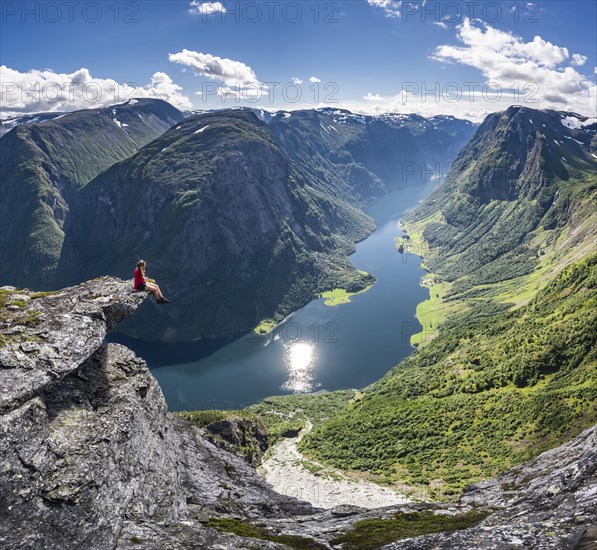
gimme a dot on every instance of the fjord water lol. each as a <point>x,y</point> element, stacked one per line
<point>317,347</point>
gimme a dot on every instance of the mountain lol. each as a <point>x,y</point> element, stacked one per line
<point>520,165</point>
<point>231,227</point>
<point>359,157</point>
<point>516,208</point>
<point>92,459</point>
<point>246,214</point>
<point>45,163</point>
<point>8,123</point>
<point>506,365</point>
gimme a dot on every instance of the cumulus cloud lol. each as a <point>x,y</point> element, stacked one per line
<point>505,60</point>
<point>206,8</point>
<point>391,8</point>
<point>440,24</point>
<point>236,81</point>
<point>162,86</point>
<point>219,68</point>
<point>314,80</point>
<point>38,91</point>
<point>296,81</point>
<point>372,97</point>
<point>578,59</point>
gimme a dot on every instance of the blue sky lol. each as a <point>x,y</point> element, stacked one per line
<point>369,55</point>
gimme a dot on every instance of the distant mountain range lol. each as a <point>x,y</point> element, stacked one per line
<point>199,195</point>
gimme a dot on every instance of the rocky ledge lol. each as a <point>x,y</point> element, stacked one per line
<point>90,458</point>
<point>47,335</point>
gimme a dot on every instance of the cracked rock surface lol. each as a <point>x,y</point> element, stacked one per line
<point>48,337</point>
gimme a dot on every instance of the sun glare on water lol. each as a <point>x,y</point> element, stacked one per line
<point>299,358</point>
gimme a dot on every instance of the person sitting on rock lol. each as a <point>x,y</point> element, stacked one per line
<point>141,283</point>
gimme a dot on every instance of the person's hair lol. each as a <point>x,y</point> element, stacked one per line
<point>141,264</point>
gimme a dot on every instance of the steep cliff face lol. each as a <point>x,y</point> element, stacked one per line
<point>45,336</point>
<point>92,459</point>
<point>44,163</point>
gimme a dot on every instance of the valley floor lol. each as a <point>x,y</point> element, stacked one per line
<point>292,474</point>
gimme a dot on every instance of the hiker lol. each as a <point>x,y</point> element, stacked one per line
<point>141,283</point>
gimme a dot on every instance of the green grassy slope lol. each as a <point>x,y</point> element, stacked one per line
<point>490,391</point>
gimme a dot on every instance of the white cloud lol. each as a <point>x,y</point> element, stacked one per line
<point>206,8</point>
<point>314,80</point>
<point>38,91</point>
<point>238,81</point>
<point>578,59</point>
<point>296,81</point>
<point>484,43</point>
<point>161,86</point>
<point>536,68</point>
<point>391,8</point>
<point>440,24</point>
<point>226,70</point>
<point>372,97</point>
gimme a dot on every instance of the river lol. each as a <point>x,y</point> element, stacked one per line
<point>317,347</point>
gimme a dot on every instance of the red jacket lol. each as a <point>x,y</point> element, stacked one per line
<point>139,279</point>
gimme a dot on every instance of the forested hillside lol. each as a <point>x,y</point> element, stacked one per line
<point>492,390</point>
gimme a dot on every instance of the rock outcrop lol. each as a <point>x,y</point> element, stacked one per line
<point>243,436</point>
<point>92,459</point>
<point>46,336</point>
<point>548,502</point>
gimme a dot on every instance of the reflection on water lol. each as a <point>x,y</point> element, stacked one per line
<point>299,358</point>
